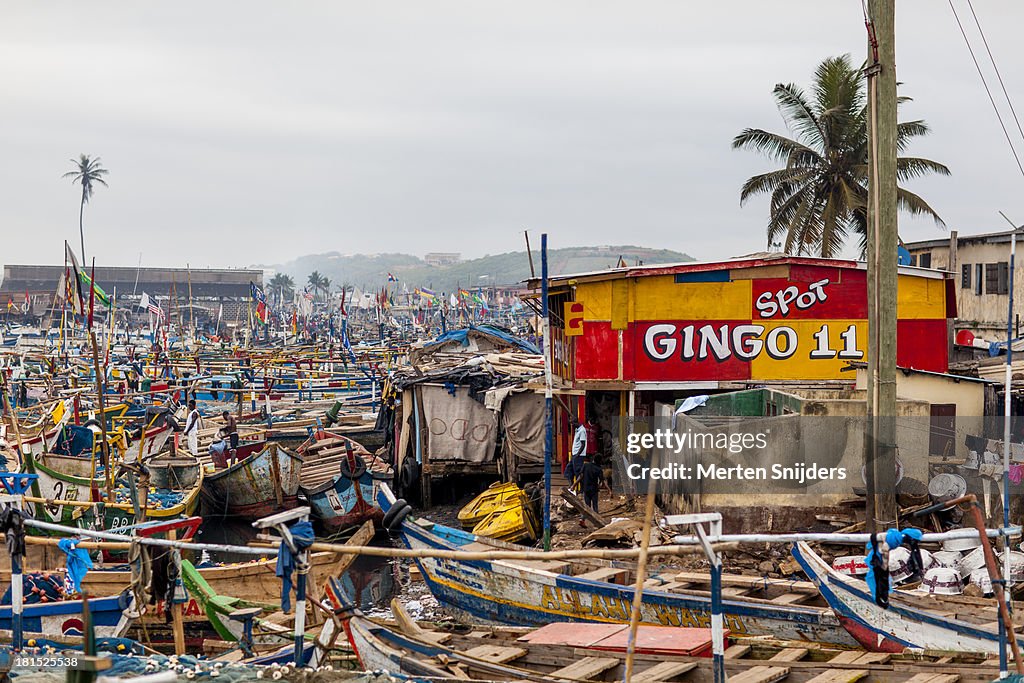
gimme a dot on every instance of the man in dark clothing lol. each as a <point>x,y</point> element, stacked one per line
<point>591,480</point>
<point>230,429</point>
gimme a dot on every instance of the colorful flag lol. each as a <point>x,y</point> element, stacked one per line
<point>261,303</point>
<point>392,278</point>
<point>96,291</point>
<point>150,305</point>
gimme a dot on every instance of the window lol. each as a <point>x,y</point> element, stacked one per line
<point>978,277</point>
<point>997,277</point>
<point>925,260</point>
<point>913,259</point>
<point>965,276</point>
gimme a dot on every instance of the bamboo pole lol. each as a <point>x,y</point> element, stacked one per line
<point>638,588</point>
<point>104,447</point>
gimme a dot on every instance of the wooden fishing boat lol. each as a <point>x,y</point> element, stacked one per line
<point>912,620</point>
<point>258,486</point>
<point>597,652</point>
<point>111,616</point>
<point>537,592</point>
<point>118,515</point>
<point>248,581</point>
<point>350,498</point>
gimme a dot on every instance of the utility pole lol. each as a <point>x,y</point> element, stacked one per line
<point>882,267</point>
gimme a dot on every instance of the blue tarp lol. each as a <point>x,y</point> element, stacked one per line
<point>462,337</point>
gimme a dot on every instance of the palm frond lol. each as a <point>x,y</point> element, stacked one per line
<point>768,182</point>
<point>798,114</point>
<point>914,167</point>
<point>915,206</point>
<point>772,145</point>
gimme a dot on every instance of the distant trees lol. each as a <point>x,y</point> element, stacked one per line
<point>319,283</point>
<point>87,171</point>
<point>283,286</point>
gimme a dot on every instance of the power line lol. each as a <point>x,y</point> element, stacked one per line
<point>995,68</point>
<point>988,91</point>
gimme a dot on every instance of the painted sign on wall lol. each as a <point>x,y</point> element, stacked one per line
<point>801,322</point>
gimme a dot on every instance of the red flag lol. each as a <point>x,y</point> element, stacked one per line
<point>92,292</point>
<point>343,301</point>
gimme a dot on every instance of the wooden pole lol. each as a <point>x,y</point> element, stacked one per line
<point>548,435</point>
<point>882,267</point>
<point>177,623</point>
<point>104,447</point>
<point>641,576</point>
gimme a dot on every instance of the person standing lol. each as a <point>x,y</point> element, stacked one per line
<point>574,468</point>
<point>230,429</point>
<point>192,426</point>
<point>591,481</point>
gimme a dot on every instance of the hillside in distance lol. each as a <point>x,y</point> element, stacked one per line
<point>370,271</point>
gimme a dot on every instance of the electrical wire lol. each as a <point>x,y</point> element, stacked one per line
<point>995,68</point>
<point>988,91</point>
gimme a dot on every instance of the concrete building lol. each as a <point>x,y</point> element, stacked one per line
<point>980,265</point>
<point>438,258</point>
<point>209,287</point>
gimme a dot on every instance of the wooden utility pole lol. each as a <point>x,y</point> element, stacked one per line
<point>882,266</point>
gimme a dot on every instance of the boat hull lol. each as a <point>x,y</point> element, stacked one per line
<point>343,502</point>
<point>510,593</point>
<point>260,485</point>
<point>64,618</point>
<point>896,628</point>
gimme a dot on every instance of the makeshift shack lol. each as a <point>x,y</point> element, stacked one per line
<point>464,408</point>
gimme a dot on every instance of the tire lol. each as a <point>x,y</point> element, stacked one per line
<point>93,422</point>
<point>395,524</point>
<point>348,472</point>
<point>390,515</point>
<point>409,474</point>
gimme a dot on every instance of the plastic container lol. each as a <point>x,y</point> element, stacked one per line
<point>941,581</point>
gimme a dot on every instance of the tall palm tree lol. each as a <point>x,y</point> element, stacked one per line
<point>325,287</point>
<point>283,285</point>
<point>820,197</point>
<point>87,171</point>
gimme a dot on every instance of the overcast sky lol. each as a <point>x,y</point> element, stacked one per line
<point>240,133</point>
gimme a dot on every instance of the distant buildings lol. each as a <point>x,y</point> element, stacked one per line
<point>980,264</point>
<point>207,288</point>
<point>442,258</point>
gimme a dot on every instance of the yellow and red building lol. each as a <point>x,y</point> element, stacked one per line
<point>672,330</point>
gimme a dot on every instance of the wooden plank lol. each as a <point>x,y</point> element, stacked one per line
<point>496,653</point>
<point>609,574</point>
<point>737,651</point>
<point>761,674</point>
<point>934,678</point>
<point>582,508</point>
<point>586,668</point>
<point>748,581</point>
<point>792,598</point>
<point>840,676</point>
<point>790,654</point>
<point>663,672</point>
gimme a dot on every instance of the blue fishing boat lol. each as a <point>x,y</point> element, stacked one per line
<point>912,619</point>
<point>350,498</point>
<point>111,617</point>
<point>538,592</point>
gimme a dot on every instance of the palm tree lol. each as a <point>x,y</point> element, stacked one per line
<point>325,287</point>
<point>283,285</point>
<point>820,197</point>
<point>87,171</point>
<point>319,283</point>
